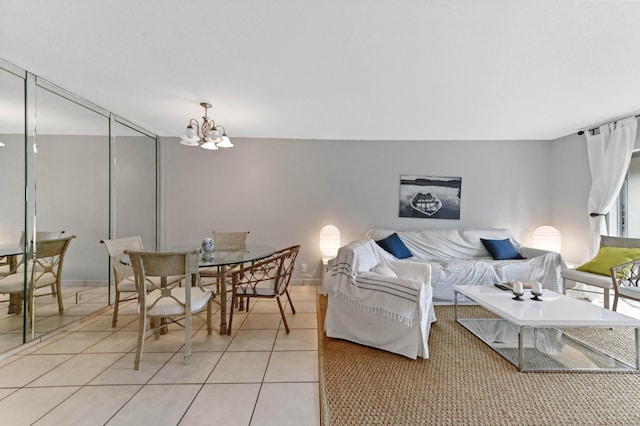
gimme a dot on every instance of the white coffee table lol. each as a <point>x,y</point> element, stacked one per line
<point>529,333</point>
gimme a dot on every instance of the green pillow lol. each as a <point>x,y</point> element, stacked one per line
<point>608,257</point>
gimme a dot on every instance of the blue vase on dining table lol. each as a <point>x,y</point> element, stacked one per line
<point>207,247</point>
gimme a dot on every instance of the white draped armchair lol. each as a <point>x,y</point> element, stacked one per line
<point>378,302</point>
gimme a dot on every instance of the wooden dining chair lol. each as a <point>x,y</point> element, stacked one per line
<point>44,269</point>
<point>171,301</point>
<point>268,278</point>
<point>123,276</point>
<point>40,235</point>
<point>229,241</point>
<point>225,241</point>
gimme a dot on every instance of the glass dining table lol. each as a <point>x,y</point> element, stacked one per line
<point>223,260</point>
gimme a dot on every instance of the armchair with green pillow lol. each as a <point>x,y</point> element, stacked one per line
<point>614,251</point>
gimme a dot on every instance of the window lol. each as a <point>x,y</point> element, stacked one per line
<point>628,206</point>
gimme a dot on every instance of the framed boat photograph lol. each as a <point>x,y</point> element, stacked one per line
<point>430,197</point>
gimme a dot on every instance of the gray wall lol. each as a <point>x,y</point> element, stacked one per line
<point>570,188</point>
<point>284,191</point>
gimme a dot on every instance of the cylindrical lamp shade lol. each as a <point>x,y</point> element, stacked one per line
<point>547,238</point>
<point>329,241</point>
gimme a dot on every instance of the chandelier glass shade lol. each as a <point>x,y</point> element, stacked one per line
<point>205,135</point>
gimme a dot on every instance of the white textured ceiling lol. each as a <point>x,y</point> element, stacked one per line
<point>339,69</point>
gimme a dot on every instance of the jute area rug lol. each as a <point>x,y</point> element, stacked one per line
<point>464,382</point>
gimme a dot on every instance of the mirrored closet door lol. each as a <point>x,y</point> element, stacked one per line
<point>12,204</point>
<point>67,168</point>
<point>72,195</point>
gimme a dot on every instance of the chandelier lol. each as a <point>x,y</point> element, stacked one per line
<point>205,135</point>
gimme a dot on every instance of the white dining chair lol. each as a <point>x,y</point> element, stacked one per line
<point>123,275</point>
<point>171,300</point>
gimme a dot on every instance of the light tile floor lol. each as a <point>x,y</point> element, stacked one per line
<point>257,376</point>
<point>47,318</point>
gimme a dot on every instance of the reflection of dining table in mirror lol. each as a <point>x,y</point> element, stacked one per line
<point>223,260</point>
<point>10,253</point>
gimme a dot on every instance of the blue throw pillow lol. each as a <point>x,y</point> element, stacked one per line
<point>501,249</point>
<point>394,245</point>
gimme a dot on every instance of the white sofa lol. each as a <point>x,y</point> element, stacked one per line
<point>377,301</point>
<point>457,256</point>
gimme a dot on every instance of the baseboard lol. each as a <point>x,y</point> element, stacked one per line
<point>103,283</point>
<point>305,281</point>
<point>84,283</point>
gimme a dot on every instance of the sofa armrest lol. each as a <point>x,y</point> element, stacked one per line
<point>412,271</point>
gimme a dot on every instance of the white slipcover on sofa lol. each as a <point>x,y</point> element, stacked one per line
<point>378,301</point>
<point>457,256</point>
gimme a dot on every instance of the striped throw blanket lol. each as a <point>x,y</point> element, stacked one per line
<point>396,297</point>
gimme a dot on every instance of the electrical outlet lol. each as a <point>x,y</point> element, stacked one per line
<point>79,296</point>
<point>303,268</point>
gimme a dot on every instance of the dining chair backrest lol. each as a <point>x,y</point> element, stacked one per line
<point>48,257</point>
<point>270,276</point>
<point>267,278</point>
<point>52,247</point>
<point>287,260</point>
<point>116,248</point>
<point>43,235</point>
<point>44,268</point>
<point>162,264</point>
<point>229,241</point>
<point>40,236</point>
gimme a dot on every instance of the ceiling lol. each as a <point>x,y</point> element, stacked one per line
<point>339,69</point>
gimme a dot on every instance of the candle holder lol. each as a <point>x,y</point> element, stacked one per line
<point>536,296</point>
<point>517,295</point>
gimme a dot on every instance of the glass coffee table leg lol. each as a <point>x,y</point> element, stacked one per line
<point>520,348</point>
<point>455,304</point>
<point>637,348</point>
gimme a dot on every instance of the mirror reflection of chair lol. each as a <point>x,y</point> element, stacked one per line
<point>626,278</point>
<point>44,269</point>
<point>123,276</point>
<point>6,267</point>
<point>268,278</point>
<point>45,264</point>
<point>171,300</point>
